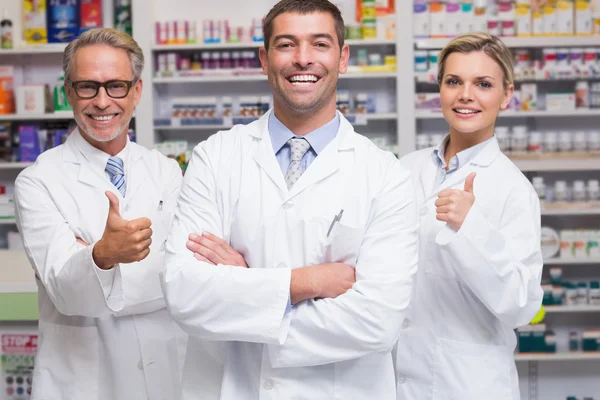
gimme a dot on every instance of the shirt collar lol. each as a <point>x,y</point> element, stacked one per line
<point>318,139</point>
<point>464,157</point>
<point>96,157</point>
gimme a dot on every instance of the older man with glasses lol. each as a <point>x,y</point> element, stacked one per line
<point>94,215</point>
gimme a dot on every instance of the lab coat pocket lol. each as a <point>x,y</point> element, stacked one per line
<point>161,223</point>
<point>67,364</point>
<point>342,244</point>
<point>468,371</point>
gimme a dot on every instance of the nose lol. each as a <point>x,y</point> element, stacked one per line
<point>303,56</point>
<point>466,93</point>
<point>102,100</point>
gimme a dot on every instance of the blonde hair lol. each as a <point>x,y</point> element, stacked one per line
<point>490,45</point>
<point>110,37</point>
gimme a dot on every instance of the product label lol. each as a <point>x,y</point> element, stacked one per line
<point>17,359</point>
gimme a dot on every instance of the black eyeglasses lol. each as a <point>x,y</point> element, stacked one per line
<point>117,89</point>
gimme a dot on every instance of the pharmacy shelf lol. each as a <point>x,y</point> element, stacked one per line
<point>57,48</point>
<point>257,77</point>
<point>573,261</point>
<point>559,164</point>
<point>256,45</point>
<point>572,309</point>
<point>574,356</point>
<point>16,274</point>
<point>521,42</point>
<point>57,115</point>
<point>354,119</point>
<point>570,211</point>
<point>14,165</point>
<point>427,114</point>
<point>7,221</point>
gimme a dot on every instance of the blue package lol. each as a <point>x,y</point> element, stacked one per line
<point>60,136</point>
<point>29,143</point>
<point>63,20</point>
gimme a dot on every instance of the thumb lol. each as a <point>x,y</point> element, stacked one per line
<point>113,204</point>
<point>469,182</point>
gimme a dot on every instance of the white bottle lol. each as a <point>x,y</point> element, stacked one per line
<point>503,137</point>
<point>535,142</point>
<point>580,141</point>
<point>518,140</point>
<point>422,141</point>
<point>550,144</point>
<point>539,187</point>
<point>579,192</point>
<point>593,190</point>
<point>565,141</point>
<point>560,191</point>
<point>593,141</point>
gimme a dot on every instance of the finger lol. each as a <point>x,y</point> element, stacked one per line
<point>442,217</point>
<point>142,254</point>
<point>469,182</point>
<point>446,193</point>
<point>143,245</point>
<point>443,209</point>
<point>83,242</point>
<point>113,203</point>
<point>143,234</point>
<point>210,254</point>
<point>200,257</point>
<point>220,242</point>
<point>195,237</point>
<point>140,223</point>
<point>443,201</point>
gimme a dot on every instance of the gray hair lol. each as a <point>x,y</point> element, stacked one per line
<point>110,37</point>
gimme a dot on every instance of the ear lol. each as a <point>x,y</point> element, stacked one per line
<point>344,57</point>
<point>508,94</point>
<point>264,62</point>
<point>137,95</point>
<point>70,92</point>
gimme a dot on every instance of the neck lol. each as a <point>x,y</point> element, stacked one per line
<point>112,147</point>
<point>460,141</point>
<point>303,123</point>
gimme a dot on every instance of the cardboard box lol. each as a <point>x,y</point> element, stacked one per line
<point>560,101</point>
<point>35,30</point>
<point>7,96</point>
<point>33,99</point>
<point>63,20</point>
<point>90,15</point>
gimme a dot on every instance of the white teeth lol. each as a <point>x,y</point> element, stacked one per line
<point>465,111</point>
<point>304,79</point>
<point>103,117</point>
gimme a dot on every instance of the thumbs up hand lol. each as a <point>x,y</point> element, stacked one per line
<point>122,241</point>
<point>453,205</point>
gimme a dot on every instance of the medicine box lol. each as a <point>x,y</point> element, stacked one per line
<point>90,15</point>
<point>35,30</point>
<point>560,101</point>
<point>63,20</point>
<point>33,99</point>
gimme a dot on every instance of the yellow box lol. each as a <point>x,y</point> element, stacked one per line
<point>34,21</point>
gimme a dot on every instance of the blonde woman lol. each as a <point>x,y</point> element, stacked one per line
<point>480,263</point>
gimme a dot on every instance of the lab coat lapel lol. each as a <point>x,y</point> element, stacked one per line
<point>428,172</point>
<point>136,177</point>
<point>263,152</point>
<point>329,160</point>
<point>482,160</point>
<point>73,156</point>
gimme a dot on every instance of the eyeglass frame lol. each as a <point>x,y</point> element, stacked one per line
<point>130,84</point>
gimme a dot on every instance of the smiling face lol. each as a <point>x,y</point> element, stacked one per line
<point>102,119</point>
<point>303,63</point>
<point>472,93</point>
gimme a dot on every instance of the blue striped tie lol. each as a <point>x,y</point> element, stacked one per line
<point>114,167</point>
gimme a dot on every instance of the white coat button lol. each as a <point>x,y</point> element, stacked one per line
<point>401,380</point>
<point>140,366</point>
<point>268,385</point>
<point>406,323</point>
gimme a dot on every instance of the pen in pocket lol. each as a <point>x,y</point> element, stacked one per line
<point>336,219</point>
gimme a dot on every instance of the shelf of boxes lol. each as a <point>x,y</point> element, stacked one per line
<point>57,115</point>
<point>521,42</point>
<point>355,119</point>
<point>260,77</point>
<point>428,114</point>
<point>7,221</point>
<point>572,356</point>
<point>14,165</point>
<point>256,45</point>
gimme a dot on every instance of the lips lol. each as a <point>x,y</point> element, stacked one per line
<point>303,79</point>
<point>465,111</point>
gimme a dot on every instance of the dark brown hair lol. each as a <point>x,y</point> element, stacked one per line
<point>303,7</point>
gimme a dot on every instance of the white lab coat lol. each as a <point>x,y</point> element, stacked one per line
<point>87,315</point>
<point>323,349</point>
<point>474,286</point>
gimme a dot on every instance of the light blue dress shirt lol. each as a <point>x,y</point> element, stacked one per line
<point>318,140</point>
<point>459,160</point>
